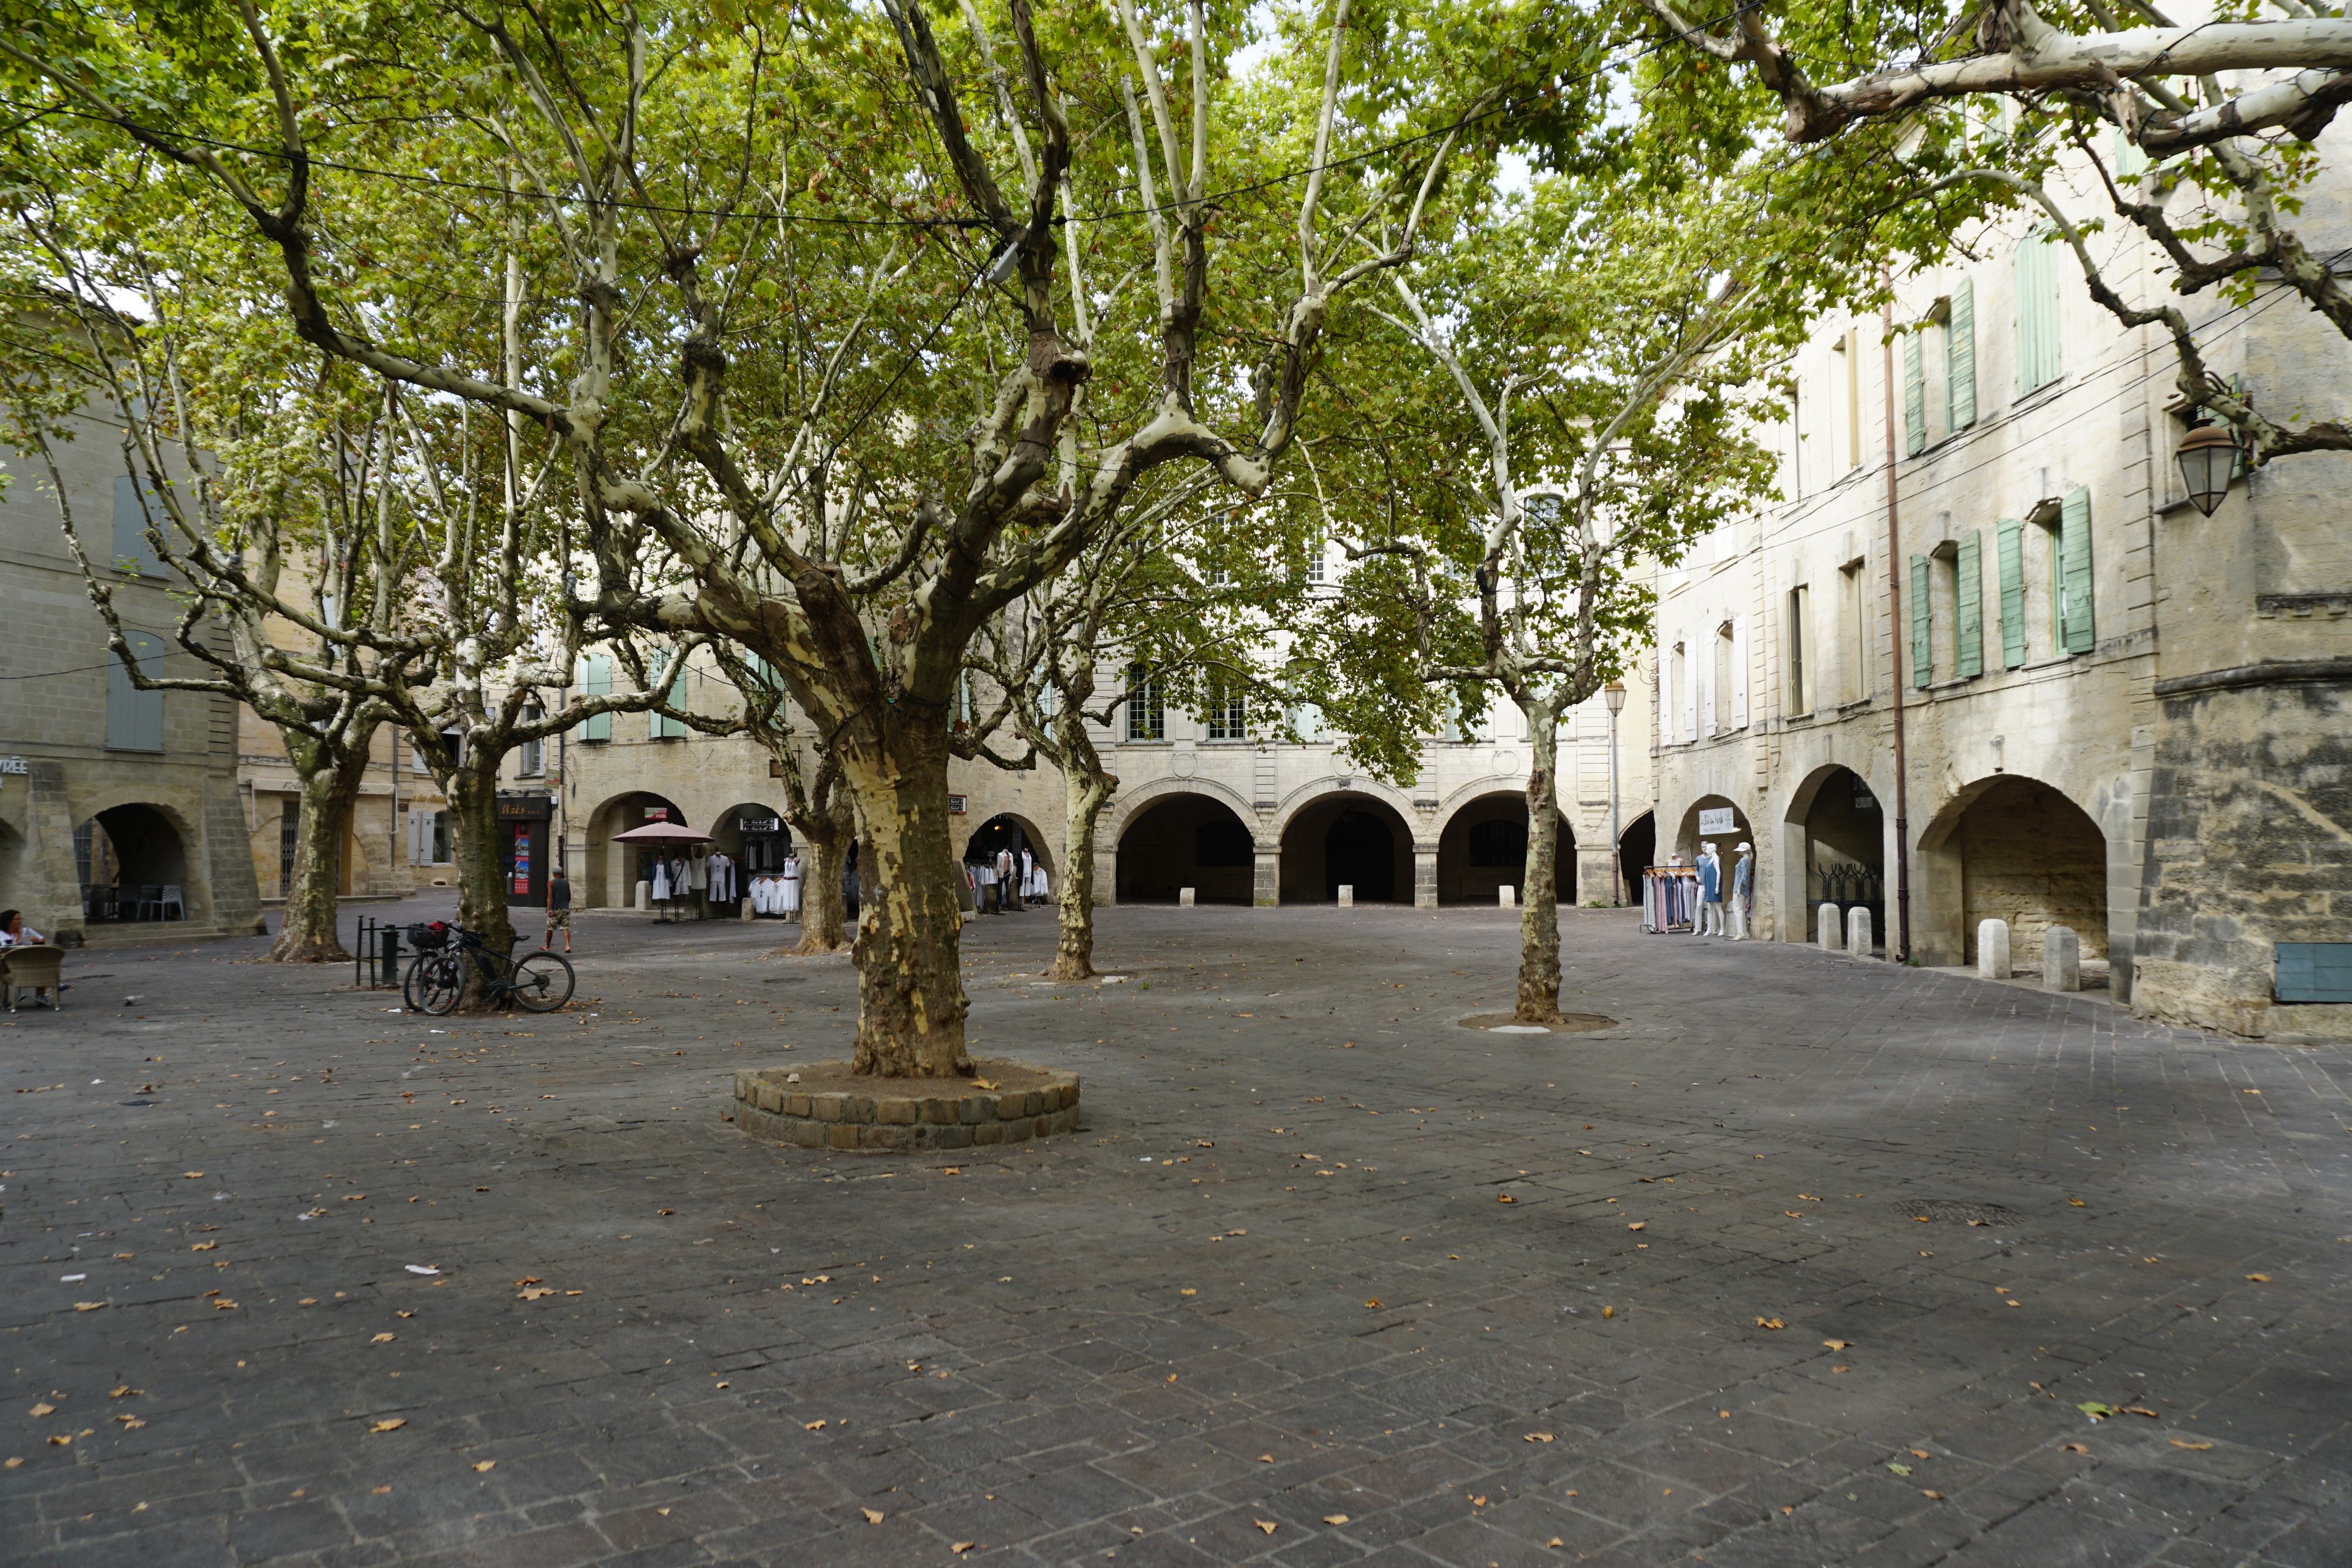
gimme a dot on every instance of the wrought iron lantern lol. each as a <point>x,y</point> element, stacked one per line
<point>2208,455</point>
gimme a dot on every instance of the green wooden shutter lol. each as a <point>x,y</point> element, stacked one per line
<point>131,545</point>
<point>596,681</point>
<point>2075,620</point>
<point>134,718</point>
<point>2039,359</point>
<point>1923,664</point>
<point>1915,397</point>
<point>2009,535</point>
<point>1967,636</point>
<point>666,728</point>
<point>1960,357</point>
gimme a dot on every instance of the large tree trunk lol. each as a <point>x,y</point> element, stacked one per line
<point>1085,790</point>
<point>481,869</point>
<point>1538,1000</point>
<point>329,785</point>
<point>911,1003</point>
<point>824,928</point>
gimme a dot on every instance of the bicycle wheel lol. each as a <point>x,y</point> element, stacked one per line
<point>439,980</point>
<point>543,982</point>
<point>412,990</point>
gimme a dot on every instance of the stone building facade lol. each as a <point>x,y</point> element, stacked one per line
<point>1203,803</point>
<point>396,842</point>
<point>2118,714</point>
<point>121,814</point>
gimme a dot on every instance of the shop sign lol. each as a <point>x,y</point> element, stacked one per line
<point>1717,821</point>
<point>528,808</point>
<point>761,824</point>
<point>657,814</point>
<point>15,765</point>
<point>955,805</point>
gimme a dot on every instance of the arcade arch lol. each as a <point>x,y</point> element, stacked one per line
<point>1349,838</point>
<point>1008,830</point>
<point>132,863</point>
<point>1637,849</point>
<point>1483,847</point>
<point>2014,849</point>
<point>612,870</point>
<point>1186,840</point>
<point>1688,838</point>
<point>1841,851</point>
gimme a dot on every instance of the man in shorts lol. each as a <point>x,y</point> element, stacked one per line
<point>559,907</point>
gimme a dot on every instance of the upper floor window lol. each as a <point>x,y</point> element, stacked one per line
<point>1146,719</point>
<point>2040,357</point>
<point>1228,717</point>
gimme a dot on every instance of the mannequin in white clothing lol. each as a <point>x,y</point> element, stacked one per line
<point>788,903</point>
<point>1710,892</point>
<point>697,881</point>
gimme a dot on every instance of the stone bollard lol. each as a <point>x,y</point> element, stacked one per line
<point>1183,898</point>
<point>744,905</point>
<point>644,895</point>
<point>2062,959</point>
<point>1507,897</point>
<point>1825,929</point>
<point>1857,932</point>
<point>1993,949</point>
<point>1347,896</point>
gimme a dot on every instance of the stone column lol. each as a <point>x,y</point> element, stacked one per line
<point>1425,876</point>
<point>1858,941</point>
<point>1105,878</point>
<point>1266,890</point>
<point>1993,949</point>
<point>2062,959</point>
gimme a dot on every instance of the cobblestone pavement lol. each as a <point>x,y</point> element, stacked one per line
<point>1326,1279</point>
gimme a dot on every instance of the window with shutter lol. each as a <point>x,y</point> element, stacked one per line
<point>1968,605</point>
<point>1960,357</point>
<point>2008,536</point>
<point>596,681</point>
<point>1739,672</point>
<point>1923,664</point>
<point>134,718</point>
<point>664,726</point>
<point>2038,358</point>
<point>133,548</point>
<point>1914,396</point>
<point>2074,618</point>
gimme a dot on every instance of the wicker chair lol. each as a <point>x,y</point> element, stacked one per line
<point>32,968</point>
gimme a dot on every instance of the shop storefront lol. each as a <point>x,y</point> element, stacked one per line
<point>523,823</point>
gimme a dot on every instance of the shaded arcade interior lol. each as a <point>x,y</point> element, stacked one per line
<point>1347,840</point>
<point>1482,847</point>
<point>2024,854</point>
<point>1186,841</point>
<point>132,865</point>
<point>1846,851</point>
<point>612,870</point>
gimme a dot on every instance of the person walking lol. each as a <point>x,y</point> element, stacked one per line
<point>559,907</point>
<point>1006,889</point>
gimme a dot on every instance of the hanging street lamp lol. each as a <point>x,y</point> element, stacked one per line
<point>2209,455</point>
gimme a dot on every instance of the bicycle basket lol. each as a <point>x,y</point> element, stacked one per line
<point>424,938</point>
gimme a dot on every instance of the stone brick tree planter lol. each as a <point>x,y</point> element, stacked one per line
<point>825,1106</point>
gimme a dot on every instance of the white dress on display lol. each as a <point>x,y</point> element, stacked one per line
<point>661,879</point>
<point>791,904</point>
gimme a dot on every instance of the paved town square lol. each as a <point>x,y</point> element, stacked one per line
<point>1804,1261</point>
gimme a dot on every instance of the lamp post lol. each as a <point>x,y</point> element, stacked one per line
<point>1614,696</point>
<point>2208,456</point>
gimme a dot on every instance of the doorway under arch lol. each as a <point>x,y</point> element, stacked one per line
<point>1846,851</point>
<point>1688,838</point>
<point>1637,850</point>
<point>132,865</point>
<point>1006,831</point>
<point>2020,850</point>
<point>1347,840</point>
<point>613,871</point>
<point>1187,841</point>
<point>1483,847</point>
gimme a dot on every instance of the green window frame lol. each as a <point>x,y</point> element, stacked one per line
<point>2076,622</point>
<point>1915,395</point>
<point>1960,357</point>
<point>1923,631</point>
<point>2041,357</point>
<point>1968,608</point>
<point>596,681</point>
<point>134,717</point>
<point>2008,536</point>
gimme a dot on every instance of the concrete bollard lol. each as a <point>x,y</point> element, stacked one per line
<point>2062,959</point>
<point>1993,949</point>
<point>1825,929</point>
<point>1183,898</point>
<point>1507,897</point>
<point>744,904</point>
<point>644,895</point>
<point>1857,932</point>
<point>1347,896</point>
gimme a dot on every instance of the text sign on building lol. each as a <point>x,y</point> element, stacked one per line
<point>955,805</point>
<point>761,824</point>
<point>1717,821</point>
<point>15,765</point>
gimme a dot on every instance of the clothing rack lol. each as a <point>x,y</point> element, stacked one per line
<point>1670,900</point>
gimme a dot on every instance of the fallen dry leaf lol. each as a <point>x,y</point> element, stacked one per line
<point>1265,1458</point>
<point>2260,1279</point>
<point>1928,1493</point>
<point>962,1546</point>
<point>1335,1519</point>
<point>1837,1343</point>
<point>393,1424</point>
<point>2201,1447</point>
<point>15,1464</point>
<point>1639,1225</point>
<point>1770,1323</point>
<point>2142,1410</point>
<point>90,1306</point>
<point>225,1305</point>
<point>871,1516</point>
<point>1792,1214</point>
<point>125,1392</point>
<point>192,1175</point>
<point>663,1511</point>
<point>1188,1290</point>
<point>2075,1448</point>
<point>487,1465</point>
<point>1373,1304</point>
<point>1267,1525</point>
<point>2076,1202</point>
<point>1921,1454</point>
<point>811,1426</point>
<point>203,1246</point>
<point>1608,1311</point>
<point>1536,1437</point>
<point>384,1339</point>
<point>982,1083</point>
<point>534,1293</point>
<point>1504,1197</point>
<point>1477,1503</point>
<point>44,1408</point>
<point>1556,1540</point>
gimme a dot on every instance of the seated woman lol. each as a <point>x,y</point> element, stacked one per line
<point>14,933</point>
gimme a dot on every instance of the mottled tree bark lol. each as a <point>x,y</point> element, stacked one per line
<point>307,934</point>
<point>1085,790</point>
<point>823,923</point>
<point>481,868</point>
<point>1538,997</point>
<point>911,1003</point>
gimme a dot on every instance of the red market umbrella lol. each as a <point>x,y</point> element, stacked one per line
<point>661,833</point>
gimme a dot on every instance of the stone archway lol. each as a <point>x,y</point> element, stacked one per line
<point>1482,847</point>
<point>612,870</point>
<point>1688,835</point>
<point>2015,848</point>
<point>131,861</point>
<point>1011,831</point>
<point>1843,858</point>
<point>1349,838</point>
<point>1185,840</point>
<point>1637,850</point>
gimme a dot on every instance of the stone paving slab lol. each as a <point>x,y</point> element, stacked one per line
<point>1271,1282</point>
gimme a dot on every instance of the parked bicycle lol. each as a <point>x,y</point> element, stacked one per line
<point>539,982</point>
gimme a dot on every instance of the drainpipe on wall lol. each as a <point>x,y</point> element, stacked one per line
<point>1900,949</point>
